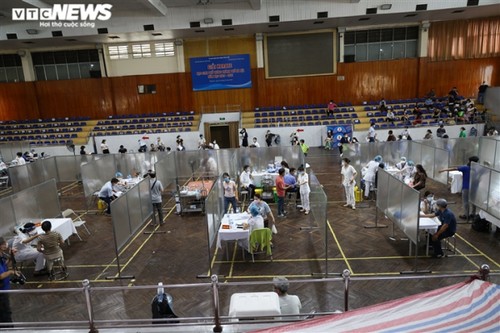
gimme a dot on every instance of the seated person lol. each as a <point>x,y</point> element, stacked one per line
<point>50,245</point>
<point>264,211</point>
<point>447,228</point>
<point>106,193</point>
<point>289,304</point>
<point>428,204</point>
<point>246,181</point>
<point>290,180</point>
<point>3,169</point>
<point>24,251</point>
<point>255,221</point>
<point>391,117</point>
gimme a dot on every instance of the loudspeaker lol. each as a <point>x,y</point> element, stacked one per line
<point>195,24</point>
<point>349,58</point>
<point>472,3</point>
<point>102,31</point>
<point>371,11</point>
<point>149,27</point>
<point>57,33</point>
<point>274,18</point>
<point>421,7</point>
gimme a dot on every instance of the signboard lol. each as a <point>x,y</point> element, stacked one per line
<point>338,133</point>
<point>221,72</point>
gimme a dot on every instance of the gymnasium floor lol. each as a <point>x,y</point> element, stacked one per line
<point>176,253</point>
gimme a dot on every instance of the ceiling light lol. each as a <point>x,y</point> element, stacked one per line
<point>386,6</point>
<point>32,31</point>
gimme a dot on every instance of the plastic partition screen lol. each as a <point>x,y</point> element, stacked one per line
<point>484,190</point>
<point>400,203</point>
<point>318,201</point>
<point>9,150</point>
<point>33,204</point>
<point>489,151</point>
<point>130,211</point>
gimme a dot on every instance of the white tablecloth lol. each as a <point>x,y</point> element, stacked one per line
<point>258,176</point>
<point>235,233</point>
<point>430,225</point>
<point>254,304</point>
<point>456,181</point>
<point>64,226</point>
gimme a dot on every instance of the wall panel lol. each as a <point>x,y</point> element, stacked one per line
<point>18,101</point>
<point>85,97</point>
<point>467,75</point>
<point>363,81</point>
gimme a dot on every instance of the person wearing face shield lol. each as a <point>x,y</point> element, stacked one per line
<point>230,193</point>
<point>24,251</point>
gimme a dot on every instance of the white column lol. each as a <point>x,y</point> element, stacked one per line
<point>259,47</point>
<point>423,44</point>
<point>179,53</point>
<point>27,64</point>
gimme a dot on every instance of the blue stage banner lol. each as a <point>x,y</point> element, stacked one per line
<point>221,72</point>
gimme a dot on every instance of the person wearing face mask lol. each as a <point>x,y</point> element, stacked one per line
<point>230,193</point>
<point>427,205</point>
<point>303,181</point>
<point>348,181</point>
<point>25,251</point>
<point>246,181</point>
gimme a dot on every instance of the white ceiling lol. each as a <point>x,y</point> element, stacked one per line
<point>171,18</point>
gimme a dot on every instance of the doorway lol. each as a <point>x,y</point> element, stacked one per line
<point>226,134</point>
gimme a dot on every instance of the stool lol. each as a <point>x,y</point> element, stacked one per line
<point>58,271</point>
<point>447,244</point>
<point>243,195</point>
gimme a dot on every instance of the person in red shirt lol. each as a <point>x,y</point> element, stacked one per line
<point>280,191</point>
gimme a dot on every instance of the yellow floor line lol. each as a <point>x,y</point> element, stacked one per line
<point>340,248</point>
<point>129,244</point>
<point>475,248</point>
<point>233,256</point>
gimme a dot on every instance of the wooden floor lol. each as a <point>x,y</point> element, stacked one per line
<point>179,255</point>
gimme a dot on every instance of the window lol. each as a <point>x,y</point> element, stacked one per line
<point>118,52</point>
<point>164,49</point>
<point>141,50</point>
<point>11,69</point>
<point>65,65</point>
<point>381,44</point>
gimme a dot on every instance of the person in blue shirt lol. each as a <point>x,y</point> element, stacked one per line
<point>465,170</point>
<point>5,275</point>
<point>106,193</point>
<point>447,228</point>
<point>291,181</point>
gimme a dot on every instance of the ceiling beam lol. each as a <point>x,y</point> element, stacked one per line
<point>255,4</point>
<point>37,3</point>
<point>157,5</point>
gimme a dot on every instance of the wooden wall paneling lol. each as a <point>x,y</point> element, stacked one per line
<point>18,101</point>
<point>66,98</point>
<point>466,75</point>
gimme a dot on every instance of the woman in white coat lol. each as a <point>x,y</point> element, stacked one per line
<point>303,182</point>
<point>348,181</point>
<point>370,172</point>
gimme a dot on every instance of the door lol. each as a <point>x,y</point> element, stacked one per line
<point>220,133</point>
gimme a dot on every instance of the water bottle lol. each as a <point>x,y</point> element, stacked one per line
<point>230,221</point>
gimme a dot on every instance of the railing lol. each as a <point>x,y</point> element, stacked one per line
<point>217,321</point>
<point>220,108</point>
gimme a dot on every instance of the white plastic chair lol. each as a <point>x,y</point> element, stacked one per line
<point>77,220</point>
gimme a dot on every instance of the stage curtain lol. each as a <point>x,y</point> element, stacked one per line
<point>464,39</point>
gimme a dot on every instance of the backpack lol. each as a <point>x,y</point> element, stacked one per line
<point>480,225</point>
